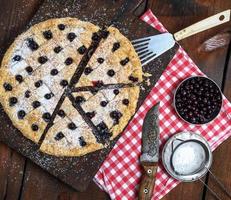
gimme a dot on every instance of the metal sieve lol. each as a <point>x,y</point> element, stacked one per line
<point>187,157</point>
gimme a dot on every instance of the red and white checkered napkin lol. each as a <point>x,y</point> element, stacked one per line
<point>120,173</point>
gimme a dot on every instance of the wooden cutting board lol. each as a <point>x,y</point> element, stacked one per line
<point>79,171</point>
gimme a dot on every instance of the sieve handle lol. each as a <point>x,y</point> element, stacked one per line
<point>222,186</point>
<point>212,192</point>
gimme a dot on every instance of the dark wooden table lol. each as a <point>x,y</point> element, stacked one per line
<point>21,179</point>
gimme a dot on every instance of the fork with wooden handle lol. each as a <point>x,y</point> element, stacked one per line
<point>149,48</point>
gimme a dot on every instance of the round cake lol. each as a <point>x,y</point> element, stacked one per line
<point>69,86</point>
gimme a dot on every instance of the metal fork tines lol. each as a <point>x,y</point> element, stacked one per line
<point>141,47</point>
<point>148,48</point>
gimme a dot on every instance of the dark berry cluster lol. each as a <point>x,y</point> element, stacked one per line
<point>116,115</point>
<point>32,44</point>
<point>198,100</point>
<point>59,136</point>
<point>104,133</point>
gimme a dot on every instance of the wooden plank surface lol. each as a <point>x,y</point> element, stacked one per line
<point>79,171</point>
<point>222,166</point>
<point>27,181</point>
<point>176,15</point>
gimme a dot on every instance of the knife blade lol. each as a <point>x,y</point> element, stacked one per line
<point>149,152</point>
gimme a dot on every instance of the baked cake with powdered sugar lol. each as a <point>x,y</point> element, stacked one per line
<point>69,86</point>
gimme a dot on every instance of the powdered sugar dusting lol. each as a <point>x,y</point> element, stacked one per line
<point>58,165</point>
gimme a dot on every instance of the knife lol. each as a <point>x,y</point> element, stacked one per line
<point>149,152</point>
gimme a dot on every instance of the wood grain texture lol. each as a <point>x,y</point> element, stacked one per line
<point>148,180</point>
<point>213,64</point>
<point>79,171</point>
<point>31,182</point>
<point>221,165</point>
<point>12,20</point>
<point>50,188</point>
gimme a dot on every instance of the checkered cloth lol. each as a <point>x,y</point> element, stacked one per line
<point>120,173</point>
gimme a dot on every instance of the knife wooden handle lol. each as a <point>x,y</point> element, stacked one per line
<point>147,181</point>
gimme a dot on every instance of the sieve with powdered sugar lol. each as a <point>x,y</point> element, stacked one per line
<point>187,157</point>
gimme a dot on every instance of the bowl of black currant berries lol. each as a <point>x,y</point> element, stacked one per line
<point>198,100</point>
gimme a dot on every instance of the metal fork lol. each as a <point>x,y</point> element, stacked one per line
<point>148,48</point>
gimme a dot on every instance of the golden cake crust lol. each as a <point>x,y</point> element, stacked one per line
<point>30,112</point>
<point>112,60</point>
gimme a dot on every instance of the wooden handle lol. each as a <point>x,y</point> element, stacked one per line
<point>203,25</point>
<point>148,181</point>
